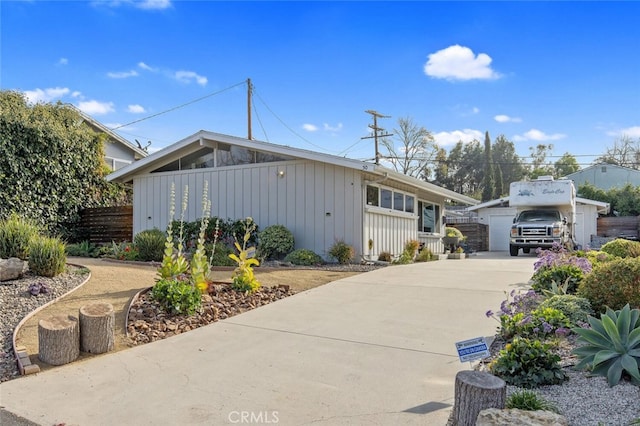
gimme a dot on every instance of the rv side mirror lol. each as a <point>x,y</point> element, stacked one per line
<point>514,219</point>
<point>564,220</point>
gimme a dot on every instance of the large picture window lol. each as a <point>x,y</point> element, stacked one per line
<point>428,217</point>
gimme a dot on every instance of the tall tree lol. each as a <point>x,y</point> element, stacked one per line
<point>52,164</point>
<point>625,152</point>
<point>508,165</point>
<point>411,150</point>
<point>488,181</point>
<point>539,165</point>
<point>566,165</point>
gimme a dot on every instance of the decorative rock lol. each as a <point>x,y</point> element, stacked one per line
<point>514,416</point>
<point>59,339</point>
<point>474,392</point>
<point>97,328</point>
<point>12,268</point>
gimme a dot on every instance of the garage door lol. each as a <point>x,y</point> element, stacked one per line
<point>499,226</point>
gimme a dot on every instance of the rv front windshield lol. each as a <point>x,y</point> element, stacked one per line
<point>540,216</point>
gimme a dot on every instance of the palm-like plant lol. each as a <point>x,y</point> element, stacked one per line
<point>611,345</point>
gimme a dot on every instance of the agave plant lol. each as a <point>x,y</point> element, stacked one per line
<point>611,345</point>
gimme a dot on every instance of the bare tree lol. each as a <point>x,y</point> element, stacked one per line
<point>411,149</point>
<point>625,152</point>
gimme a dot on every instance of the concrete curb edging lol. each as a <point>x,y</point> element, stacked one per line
<point>24,363</point>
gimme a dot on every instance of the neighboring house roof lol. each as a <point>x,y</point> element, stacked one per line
<point>603,208</point>
<point>138,153</point>
<point>205,138</point>
<point>606,176</point>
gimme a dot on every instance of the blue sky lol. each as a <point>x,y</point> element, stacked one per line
<point>561,73</point>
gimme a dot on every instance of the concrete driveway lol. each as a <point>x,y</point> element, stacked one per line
<point>373,349</point>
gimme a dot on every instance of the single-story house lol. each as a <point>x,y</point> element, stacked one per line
<point>118,152</point>
<point>606,176</point>
<point>498,215</point>
<point>320,198</point>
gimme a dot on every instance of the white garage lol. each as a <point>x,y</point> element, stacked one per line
<point>498,216</point>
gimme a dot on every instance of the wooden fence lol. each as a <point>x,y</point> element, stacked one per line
<point>106,224</point>
<point>623,226</point>
<point>477,234</point>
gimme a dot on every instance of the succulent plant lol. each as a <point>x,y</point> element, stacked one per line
<point>611,345</point>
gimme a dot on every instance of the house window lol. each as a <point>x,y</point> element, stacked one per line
<point>428,217</point>
<point>373,194</point>
<point>386,198</point>
<point>390,199</point>
<point>604,169</point>
<point>398,201</point>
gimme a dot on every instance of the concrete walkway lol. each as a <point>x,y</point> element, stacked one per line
<point>373,349</point>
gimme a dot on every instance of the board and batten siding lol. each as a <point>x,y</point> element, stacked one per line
<point>319,203</point>
<point>389,231</point>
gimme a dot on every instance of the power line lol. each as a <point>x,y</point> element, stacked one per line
<point>179,106</point>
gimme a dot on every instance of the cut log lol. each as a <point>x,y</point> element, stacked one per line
<point>97,334</point>
<point>59,339</point>
<point>474,392</point>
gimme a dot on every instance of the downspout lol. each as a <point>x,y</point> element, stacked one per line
<point>365,240</point>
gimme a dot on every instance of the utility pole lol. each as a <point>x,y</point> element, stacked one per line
<point>377,131</point>
<point>249,136</point>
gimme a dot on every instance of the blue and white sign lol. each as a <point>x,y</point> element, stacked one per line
<point>472,349</point>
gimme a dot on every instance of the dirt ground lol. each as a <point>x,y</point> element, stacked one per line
<point>117,283</point>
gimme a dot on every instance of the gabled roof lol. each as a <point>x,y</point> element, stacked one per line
<point>139,153</point>
<point>594,166</point>
<point>603,208</point>
<point>206,138</point>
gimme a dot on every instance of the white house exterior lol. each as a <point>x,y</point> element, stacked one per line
<point>118,152</point>
<point>321,198</point>
<point>606,176</point>
<point>498,215</point>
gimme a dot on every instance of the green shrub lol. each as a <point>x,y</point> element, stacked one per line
<point>177,297</point>
<point>304,257</point>
<point>543,278</point>
<point>83,249</point>
<point>597,257</point>
<point>123,251</point>
<point>384,256</point>
<point>412,246</point>
<point>47,256</point>
<point>613,284</point>
<point>611,347</point>
<point>405,258</point>
<point>276,241</point>
<point>219,257</point>
<point>150,244</point>
<point>622,248</point>
<point>425,255</point>
<point>575,308</point>
<point>342,252</point>
<point>15,234</point>
<point>539,323</point>
<point>530,401</point>
<point>528,364</point>
<point>450,231</point>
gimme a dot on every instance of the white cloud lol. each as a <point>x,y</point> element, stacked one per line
<point>188,76</point>
<point>136,109</point>
<point>310,127</point>
<point>76,94</point>
<point>95,107</point>
<point>145,67</point>
<point>459,63</point>
<point>632,132</point>
<point>538,136</point>
<point>329,128</point>
<point>46,95</point>
<point>501,118</point>
<point>123,74</point>
<point>453,137</point>
<point>63,61</point>
<point>153,4</point>
<point>475,110</point>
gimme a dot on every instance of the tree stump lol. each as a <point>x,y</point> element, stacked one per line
<point>59,339</point>
<point>97,333</point>
<point>474,392</point>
